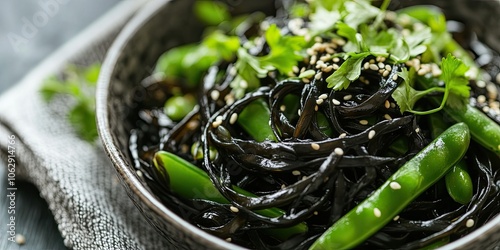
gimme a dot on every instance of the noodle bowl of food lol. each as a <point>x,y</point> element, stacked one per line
<point>308,125</point>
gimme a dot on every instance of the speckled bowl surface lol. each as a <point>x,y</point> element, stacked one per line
<point>164,24</point>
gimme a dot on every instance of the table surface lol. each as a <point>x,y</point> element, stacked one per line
<point>32,30</point>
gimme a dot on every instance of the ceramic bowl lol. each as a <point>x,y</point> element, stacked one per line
<point>165,24</point>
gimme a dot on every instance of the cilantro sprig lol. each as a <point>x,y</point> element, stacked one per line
<point>78,84</point>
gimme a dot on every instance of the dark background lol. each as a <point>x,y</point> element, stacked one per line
<point>29,32</point>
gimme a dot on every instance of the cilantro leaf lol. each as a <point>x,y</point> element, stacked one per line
<point>348,71</point>
<point>454,75</point>
<point>250,69</point>
<point>211,12</point>
<point>285,50</point>
<point>354,9</point>
<point>405,95</point>
<point>79,85</point>
<point>323,20</point>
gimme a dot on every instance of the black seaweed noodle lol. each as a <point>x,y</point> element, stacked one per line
<point>329,184</point>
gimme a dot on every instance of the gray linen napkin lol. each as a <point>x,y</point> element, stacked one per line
<point>76,178</point>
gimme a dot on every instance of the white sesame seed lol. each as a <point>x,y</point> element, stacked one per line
<point>318,76</point>
<point>385,73</point>
<point>481,99</point>
<point>492,90</point>
<point>486,109</point>
<point>417,130</point>
<point>343,135</point>
<point>381,65</point>
<point>328,69</point>
<point>336,59</point>
<point>319,101</point>
<point>229,239</point>
<point>313,59</point>
<point>363,122</point>
<point>20,239</point>
<point>295,69</point>
<point>395,185</point>
<point>347,97</point>
<point>234,118</point>
<point>330,50</point>
<point>323,96</point>
<point>305,80</point>
<point>366,65</point>
<point>304,177</point>
<point>482,84</point>
<point>371,134</point>
<point>373,67</point>
<point>234,209</point>
<point>335,102</point>
<point>139,173</point>
<point>387,117</point>
<point>243,84</point>
<point>394,77</point>
<point>315,107</point>
<point>335,66</point>
<point>387,104</point>
<point>296,172</point>
<point>315,212</point>
<point>315,146</point>
<point>282,108</point>
<point>215,94</point>
<point>338,151</point>
<point>372,61</point>
<point>388,67</point>
<point>283,186</point>
<point>318,39</point>
<point>299,112</point>
<point>325,58</point>
<point>396,218</point>
<point>469,223</point>
<point>377,212</point>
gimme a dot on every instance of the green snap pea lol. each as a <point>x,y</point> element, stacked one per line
<point>413,178</point>
<point>190,182</point>
<point>458,181</point>
<point>459,184</point>
<point>177,107</point>
<point>484,130</point>
<point>254,119</point>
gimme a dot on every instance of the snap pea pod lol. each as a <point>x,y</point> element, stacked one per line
<point>484,130</point>
<point>254,119</point>
<point>190,182</point>
<point>458,181</point>
<point>177,107</point>
<point>413,178</point>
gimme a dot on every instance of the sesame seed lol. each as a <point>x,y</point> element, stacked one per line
<point>387,117</point>
<point>371,134</point>
<point>492,90</point>
<point>296,172</point>
<point>422,71</point>
<point>299,112</point>
<point>343,135</point>
<point>417,130</point>
<point>338,151</point>
<point>283,186</point>
<point>318,76</point>
<point>335,66</point>
<point>315,107</point>
<point>395,185</point>
<point>381,65</point>
<point>217,122</point>
<point>20,239</point>
<point>234,209</point>
<point>347,97</point>
<point>318,39</point>
<point>469,223</point>
<point>394,77</point>
<point>363,122</point>
<point>325,58</point>
<point>243,84</point>
<point>315,146</point>
<point>396,218</point>
<point>372,61</point>
<point>328,69</point>
<point>481,84</point>
<point>481,99</point>
<point>139,173</point>
<point>366,65</point>
<point>387,104</point>
<point>385,73</point>
<point>323,96</point>
<point>295,69</point>
<point>393,105</point>
<point>234,118</point>
<point>377,212</point>
<point>335,102</point>
<point>304,177</point>
<point>215,94</point>
<point>310,51</point>
<point>373,67</point>
<point>388,67</point>
<point>229,239</point>
<point>315,212</point>
<point>305,80</point>
<point>336,59</point>
<point>330,50</point>
<point>313,59</point>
